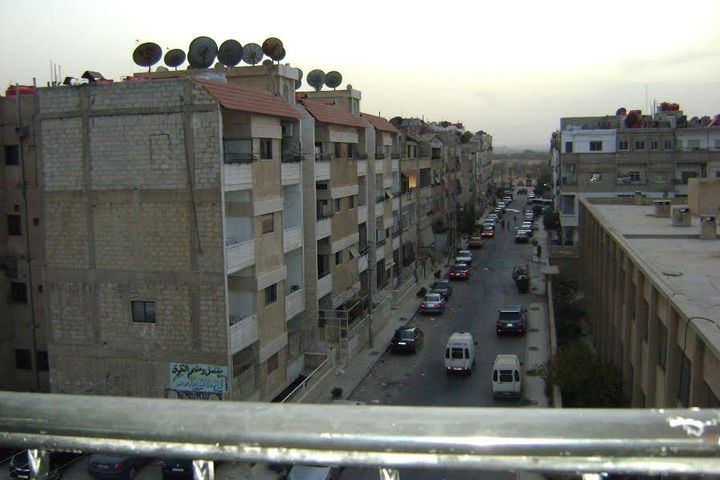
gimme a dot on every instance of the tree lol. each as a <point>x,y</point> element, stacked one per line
<point>466,219</point>
<point>466,137</point>
<point>551,219</point>
<point>544,181</point>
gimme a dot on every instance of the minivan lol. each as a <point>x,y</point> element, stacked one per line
<point>507,377</point>
<point>460,353</point>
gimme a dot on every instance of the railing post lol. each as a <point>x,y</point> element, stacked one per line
<point>389,473</point>
<point>38,460</point>
<point>203,469</point>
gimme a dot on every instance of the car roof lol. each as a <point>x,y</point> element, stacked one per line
<point>511,308</point>
<point>444,282</point>
<point>405,329</point>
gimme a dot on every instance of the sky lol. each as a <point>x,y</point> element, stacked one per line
<point>510,68</point>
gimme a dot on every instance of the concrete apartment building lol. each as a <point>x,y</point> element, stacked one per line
<point>174,250</point>
<point>650,276</point>
<point>23,343</point>
<point>627,153</point>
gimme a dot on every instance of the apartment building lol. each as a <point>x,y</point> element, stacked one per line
<point>24,361</point>
<point>630,152</point>
<point>649,273</point>
<point>173,240</point>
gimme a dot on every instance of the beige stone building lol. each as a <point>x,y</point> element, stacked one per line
<point>650,276</point>
<point>616,156</point>
<point>24,361</point>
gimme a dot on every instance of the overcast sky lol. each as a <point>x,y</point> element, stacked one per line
<point>511,68</point>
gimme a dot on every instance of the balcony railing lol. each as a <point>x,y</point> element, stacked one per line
<point>234,157</point>
<point>588,441</point>
<point>380,156</point>
<point>395,156</point>
<point>326,366</point>
<point>323,157</point>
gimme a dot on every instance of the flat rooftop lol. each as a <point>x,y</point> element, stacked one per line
<point>684,267</point>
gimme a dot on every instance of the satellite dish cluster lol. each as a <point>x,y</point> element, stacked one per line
<point>203,53</point>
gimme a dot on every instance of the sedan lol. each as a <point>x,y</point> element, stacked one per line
<point>459,272</point>
<point>475,242</point>
<point>432,303</point>
<point>407,339</point>
<point>464,256</point>
<point>488,232</point>
<point>522,236</point>
<point>59,461</point>
<point>115,466</point>
<point>442,287</point>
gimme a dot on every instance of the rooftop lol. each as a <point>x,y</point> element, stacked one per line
<point>684,267</point>
<point>326,113</point>
<point>380,123</point>
<point>242,99</point>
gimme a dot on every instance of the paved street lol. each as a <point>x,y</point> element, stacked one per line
<point>420,379</point>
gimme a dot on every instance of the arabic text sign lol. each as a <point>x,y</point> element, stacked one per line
<point>198,377</point>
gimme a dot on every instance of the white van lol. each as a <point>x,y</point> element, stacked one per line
<point>507,377</point>
<point>460,353</point>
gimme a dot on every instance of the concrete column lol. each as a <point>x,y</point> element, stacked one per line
<point>618,307</point>
<point>627,320</point>
<point>673,358</point>
<point>650,367</point>
<point>638,336</point>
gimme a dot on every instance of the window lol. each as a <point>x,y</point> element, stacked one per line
<point>266,152</point>
<point>653,145</point>
<point>623,145</point>
<point>639,145</point>
<point>568,147</point>
<point>36,222</point>
<point>143,312</point>
<point>338,204</point>
<point>268,223</point>
<point>338,150</point>
<point>271,294</point>
<point>42,360</point>
<point>272,363</point>
<point>596,146</point>
<point>11,155</point>
<point>18,292</point>
<point>633,176</point>
<point>23,359</point>
<point>338,258</point>
<point>13,224</point>
<point>351,202</point>
<point>350,150</point>
<point>238,150</point>
<point>692,144</point>
<point>667,145</point>
<point>595,178</point>
<point>662,345</point>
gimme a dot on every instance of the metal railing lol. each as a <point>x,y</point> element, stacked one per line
<point>652,442</point>
<point>317,374</point>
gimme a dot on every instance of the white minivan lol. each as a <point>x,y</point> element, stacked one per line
<point>460,353</point>
<point>507,377</point>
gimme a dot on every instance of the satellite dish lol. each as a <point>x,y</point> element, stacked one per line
<point>161,69</point>
<point>333,79</point>
<point>147,54</point>
<point>273,48</point>
<point>230,53</point>
<point>252,53</point>
<point>202,52</point>
<point>298,82</point>
<point>174,58</point>
<point>316,79</point>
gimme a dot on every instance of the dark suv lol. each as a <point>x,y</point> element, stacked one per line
<point>442,287</point>
<point>511,319</point>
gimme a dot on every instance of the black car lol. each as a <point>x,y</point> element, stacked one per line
<point>459,272</point>
<point>177,468</point>
<point>442,287</point>
<point>59,461</point>
<point>522,236</point>
<point>511,319</point>
<point>407,339</point>
<point>115,466</point>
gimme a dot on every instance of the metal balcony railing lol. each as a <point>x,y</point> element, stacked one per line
<point>588,441</point>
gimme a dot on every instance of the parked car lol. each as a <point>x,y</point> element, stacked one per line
<point>459,271</point>
<point>464,256</point>
<point>522,236</point>
<point>527,226</point>
<point>488,232</point>
<point>442,287</point>
<point>493,217</point>
<point>432,303</point>
<point>58,462</point>
<point>115,466</point>
<point>511,319</point>
<point>475,242</point>
<point>407,339</point>
<point>177,469</point>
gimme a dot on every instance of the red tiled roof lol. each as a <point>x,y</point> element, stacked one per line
<point>242,99</point>
<point>331,114</point>
<point>380,123</point>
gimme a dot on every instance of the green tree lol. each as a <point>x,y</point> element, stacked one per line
<point>544,181</point>
<point>466,220</point>
<point>466,137</point>
<point>551,218</point>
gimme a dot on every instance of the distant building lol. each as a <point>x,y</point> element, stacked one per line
<point>630,154</point>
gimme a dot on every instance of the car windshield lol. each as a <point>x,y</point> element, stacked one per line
<point>440,286</point>
<point>459,268</point>
<point>509,316</point>
<point>431,298</point>
<point>464,253</point>
<point>488,228</point>
<point>406,334</point>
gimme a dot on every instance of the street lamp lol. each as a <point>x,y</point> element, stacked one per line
<point>682,361</point>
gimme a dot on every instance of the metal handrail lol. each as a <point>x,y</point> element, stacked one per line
<point>529,439</point>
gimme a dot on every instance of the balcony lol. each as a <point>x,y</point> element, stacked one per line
<point>239,254</point>
<point>362,263</point>
<point>362,214</point>
<point>237,176</point>
<point>294,303</point>
<point>243,332</point>
<point>292,238</point>
<point>523,440</point>
<point>395,156</point>
<point>323,228</point>
<point>290,173</point>
<point>290,151</point>
<point>322,171</point>
<point>380,156</point>
<point>321,367</point>
<point>362,167</point>
<point>324,285</point>
<point>395,164</point>
<point>396,203</point>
